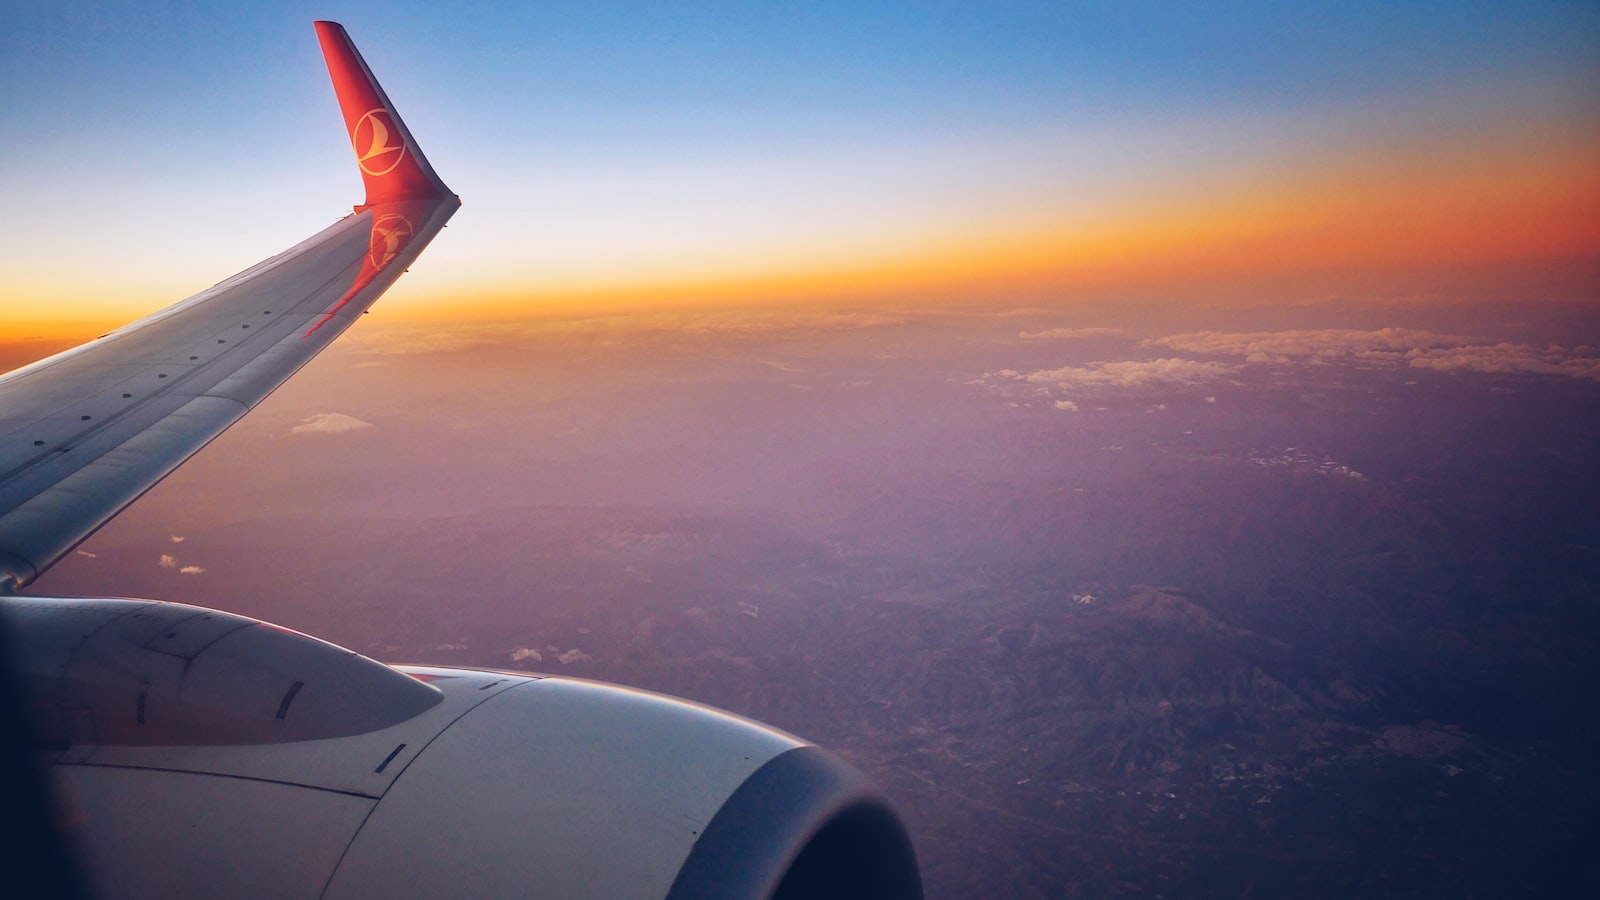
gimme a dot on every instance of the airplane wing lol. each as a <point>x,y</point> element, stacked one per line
<point>86,432</point>
<point>194,752</point>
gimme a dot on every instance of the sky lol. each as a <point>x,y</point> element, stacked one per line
<point>688,154</point>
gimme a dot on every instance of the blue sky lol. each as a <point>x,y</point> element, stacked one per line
<point>600,143</point>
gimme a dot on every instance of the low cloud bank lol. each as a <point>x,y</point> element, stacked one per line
<point>1391,346</point>
<point>1125,373</point>
<point>329,423</point>
<point>1512,359</point>
<point>1067,334</point>
<point>1329,344</point>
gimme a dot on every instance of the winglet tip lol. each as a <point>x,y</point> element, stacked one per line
<point>392,166</point>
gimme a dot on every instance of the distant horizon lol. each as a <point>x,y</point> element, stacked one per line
<point>1570,327</point>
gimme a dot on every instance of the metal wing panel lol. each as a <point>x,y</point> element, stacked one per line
<point>85,433</point>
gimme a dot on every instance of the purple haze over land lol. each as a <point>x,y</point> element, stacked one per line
<point>1299,601</point>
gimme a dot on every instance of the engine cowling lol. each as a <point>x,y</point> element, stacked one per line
<point>490,783</point>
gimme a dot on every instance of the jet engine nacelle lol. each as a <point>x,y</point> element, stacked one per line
<point>198,753</point>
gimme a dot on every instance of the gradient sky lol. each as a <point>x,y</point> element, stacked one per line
<point>743,153</point>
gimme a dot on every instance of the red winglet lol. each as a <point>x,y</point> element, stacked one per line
<point>391,164</point>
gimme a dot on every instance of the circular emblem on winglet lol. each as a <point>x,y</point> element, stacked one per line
<point>378,143</point>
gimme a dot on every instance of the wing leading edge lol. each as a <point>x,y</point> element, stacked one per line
<point>86,432</point>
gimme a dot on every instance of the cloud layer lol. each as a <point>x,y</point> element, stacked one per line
<point>1124,373</point>
<point>1512,359</point>
<point>329,423</point>
<point>1385,344</point>
<point>1386,348</point>
<point>1391,346</point>
<point>1067,334</point>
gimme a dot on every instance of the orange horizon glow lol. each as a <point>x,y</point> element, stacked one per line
<point>1448,222</point>
<point>1496,207</point>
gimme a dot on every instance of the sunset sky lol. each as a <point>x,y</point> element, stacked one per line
<point>1154,442</point>
<point>744,154</point>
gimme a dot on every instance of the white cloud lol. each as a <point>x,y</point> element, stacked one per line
<point>1391,346</point>
<point>1508,359</point>
<point>86,554</point>
<point>190,570</point>
<point>1384,344</point>
<point>177,539</point>
<point>522,653</point>
<point>1067,334</point>
<point>168,561</point>
<point>1127,373</point>
<point>573,656</point>
<point>329,423</point>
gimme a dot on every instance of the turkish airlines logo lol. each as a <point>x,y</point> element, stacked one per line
<point>389,235</point>
<point>377,141</point>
